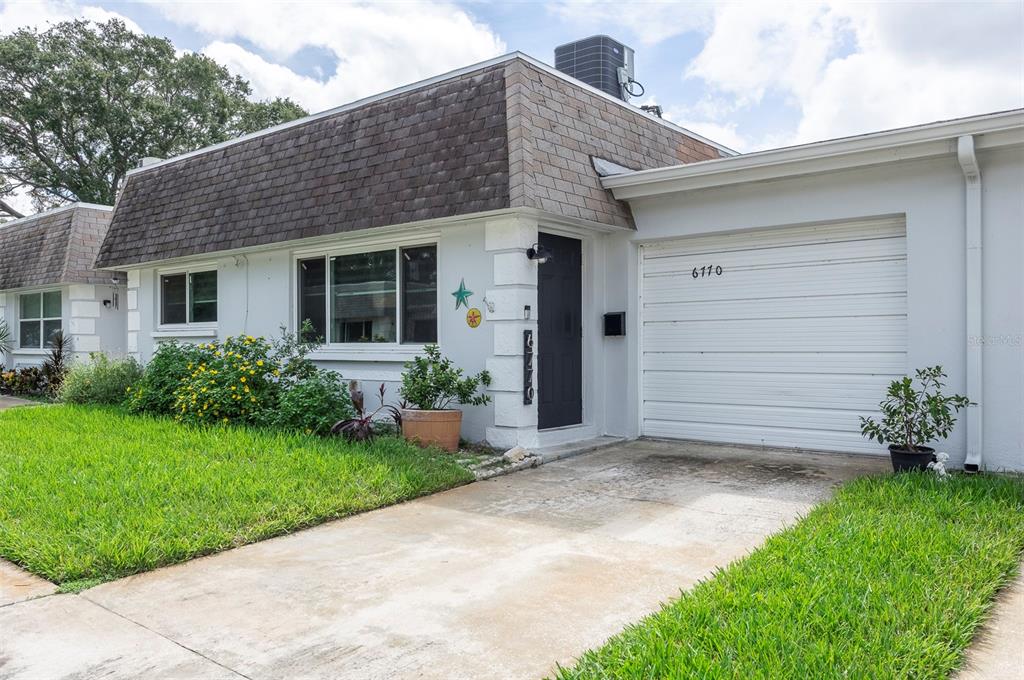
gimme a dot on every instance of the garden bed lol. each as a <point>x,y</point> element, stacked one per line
<point>890,579</point>
<point>92,494</point>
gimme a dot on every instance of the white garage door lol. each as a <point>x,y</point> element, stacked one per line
<point>780,337</point>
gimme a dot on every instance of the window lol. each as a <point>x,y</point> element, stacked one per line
<point>39,319</point>
<point>383,296</point>
<point>419,294</point>
<point>188,297</point>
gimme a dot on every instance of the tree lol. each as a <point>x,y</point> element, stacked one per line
<point>81,104</point>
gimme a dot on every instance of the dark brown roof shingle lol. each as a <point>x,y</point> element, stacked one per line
<point>433,152</point>
<point>59,246</point>
<point>505,135</point>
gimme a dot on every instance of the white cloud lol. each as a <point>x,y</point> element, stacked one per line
<point>377,46</point>
<point>647,22</point>
<point>38,14</point>
<point>850,68</point>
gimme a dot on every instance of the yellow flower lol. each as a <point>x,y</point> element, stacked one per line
<point>225,419</point>
<point>277,372</point>
<point>252,399</point>
<point>203,390</point>
<point>242,378</point>
<point>247,390</point>
<point>259,362</point>
<point>233,388</point>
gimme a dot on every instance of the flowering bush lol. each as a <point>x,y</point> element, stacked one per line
<point>243,379</point>
<point>233,381</point>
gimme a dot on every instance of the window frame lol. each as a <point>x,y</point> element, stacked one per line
<point>187,272</point>
<point>41,319</point>
<point>364,350</point>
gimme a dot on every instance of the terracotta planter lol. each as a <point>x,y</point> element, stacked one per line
<point>432,428</point>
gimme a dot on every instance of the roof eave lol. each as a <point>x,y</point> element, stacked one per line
<point>914,143</point>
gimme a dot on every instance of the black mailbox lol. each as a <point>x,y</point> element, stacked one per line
<point>614,324</point>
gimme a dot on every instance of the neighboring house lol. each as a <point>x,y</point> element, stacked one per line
<point>761,299</point>
<point>48,284</point>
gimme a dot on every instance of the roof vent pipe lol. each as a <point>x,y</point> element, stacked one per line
<point>975,340</point>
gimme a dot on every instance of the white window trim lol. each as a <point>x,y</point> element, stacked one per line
<point>40,320</point>
<point>187,329</point>
<point>366,351</point>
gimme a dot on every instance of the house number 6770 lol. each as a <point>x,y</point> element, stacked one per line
<point>707,270</point>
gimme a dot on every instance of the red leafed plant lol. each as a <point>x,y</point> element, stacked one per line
<point>360,428</point>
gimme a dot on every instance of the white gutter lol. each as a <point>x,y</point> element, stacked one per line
<point>975,344</point>
<point>932,140</point>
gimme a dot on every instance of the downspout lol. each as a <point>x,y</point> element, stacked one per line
<point>975,341</point>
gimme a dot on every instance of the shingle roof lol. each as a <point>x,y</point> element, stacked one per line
<point>504,135</point>
<point>58,246</point>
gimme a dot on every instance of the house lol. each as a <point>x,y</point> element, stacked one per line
<point>368,219</point>
<point>615,273</point>
<point>48,284</point>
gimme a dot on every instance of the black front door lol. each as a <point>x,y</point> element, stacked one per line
<point>560,334</point>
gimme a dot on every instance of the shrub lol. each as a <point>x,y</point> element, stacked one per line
<point>28,381</point>
<point>58,361</point>
<point>244,379</point>
<point>911,418</point>
<point>5,340</point>
<point>312,404</point>
<point>233,381</point>
<point>101,381</point>
<point>363,425</point>
<point>154,393</point>
<point>433,382</point>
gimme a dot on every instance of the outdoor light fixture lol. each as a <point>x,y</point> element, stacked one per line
<point>539,253</point>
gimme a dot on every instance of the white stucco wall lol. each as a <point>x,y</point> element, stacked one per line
<point>257,295</point>
<point>931,196</point>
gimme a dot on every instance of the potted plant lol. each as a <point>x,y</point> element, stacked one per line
<point>430,384</point>
<point>913,417</point>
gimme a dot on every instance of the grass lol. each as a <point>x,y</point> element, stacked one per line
<point>92,494</point>
<point>889,579</point>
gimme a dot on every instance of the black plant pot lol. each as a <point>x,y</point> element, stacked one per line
<point>904,459</point>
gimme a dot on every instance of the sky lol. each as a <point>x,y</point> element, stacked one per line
<point>750,75</point>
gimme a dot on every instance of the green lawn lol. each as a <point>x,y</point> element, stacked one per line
<point>90,494</point>
<point>888,580</point>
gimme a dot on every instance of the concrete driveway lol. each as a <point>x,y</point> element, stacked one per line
<point>10,402</point>
<point>498,579</point>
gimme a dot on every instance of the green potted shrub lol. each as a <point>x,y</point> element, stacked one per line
<point>912,418</point>
<point>430,384</point>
